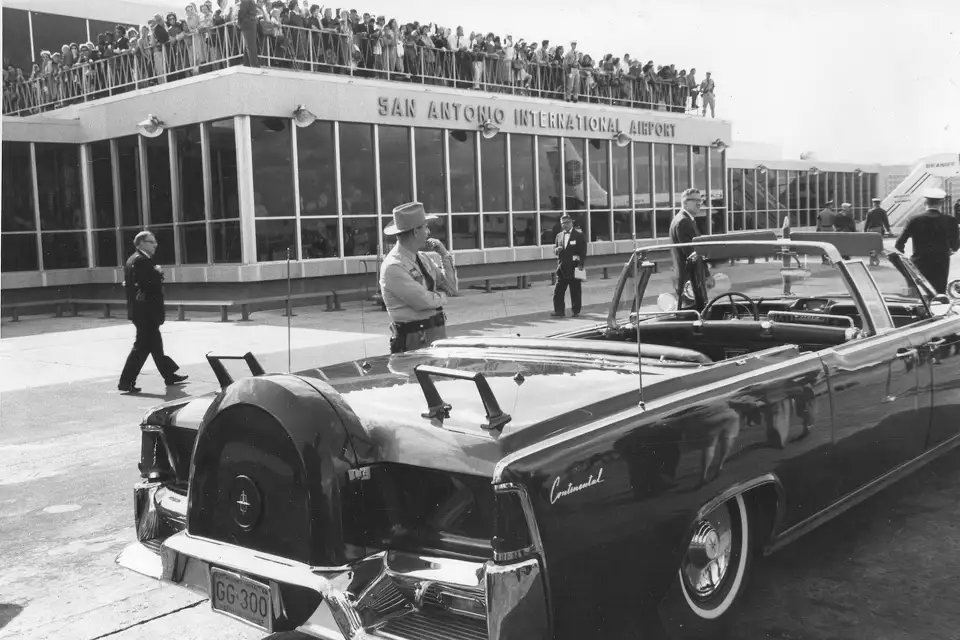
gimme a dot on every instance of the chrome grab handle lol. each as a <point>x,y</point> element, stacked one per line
<point>905,354</point>
<point>933,346</point>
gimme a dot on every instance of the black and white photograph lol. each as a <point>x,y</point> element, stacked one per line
<point>490,321</point>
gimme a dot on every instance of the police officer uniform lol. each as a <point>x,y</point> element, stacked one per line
<point>935,236</point>
<point>415,286</point>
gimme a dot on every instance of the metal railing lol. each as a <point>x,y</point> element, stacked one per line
<point>325,51</point>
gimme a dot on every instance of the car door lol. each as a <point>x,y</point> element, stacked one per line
<point>874,394</point>
<point>937,340</point>
<point>874,384</point>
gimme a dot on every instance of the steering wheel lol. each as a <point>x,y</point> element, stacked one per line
<point>731,294</point>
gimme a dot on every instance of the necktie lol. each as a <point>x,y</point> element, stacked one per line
<point>428,279</point>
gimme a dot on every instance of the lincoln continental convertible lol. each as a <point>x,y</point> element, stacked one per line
<point>621,474</point>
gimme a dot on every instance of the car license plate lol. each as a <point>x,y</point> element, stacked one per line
<point>241,597</point>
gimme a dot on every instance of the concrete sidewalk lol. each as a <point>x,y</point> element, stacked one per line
<point>42,351</point>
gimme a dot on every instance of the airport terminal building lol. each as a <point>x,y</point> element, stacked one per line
<point>242,165</point>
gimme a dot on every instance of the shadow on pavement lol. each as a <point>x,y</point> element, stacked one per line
<point>172,393</point>
<point>8,612</point>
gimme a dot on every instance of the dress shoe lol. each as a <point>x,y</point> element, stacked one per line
<point>175,379</point>
<point>128,387</point>
<point>556,315</point>
<point>575,314</point>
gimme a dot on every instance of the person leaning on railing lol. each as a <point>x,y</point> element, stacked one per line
<point>207,40</point>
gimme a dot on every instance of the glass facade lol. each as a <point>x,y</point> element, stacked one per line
<point>763,198</point>
<point>327,190</point>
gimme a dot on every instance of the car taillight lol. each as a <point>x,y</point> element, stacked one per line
<point>513,537</point>
<point>154,460</point>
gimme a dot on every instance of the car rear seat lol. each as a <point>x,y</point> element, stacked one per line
<point>717,338</point>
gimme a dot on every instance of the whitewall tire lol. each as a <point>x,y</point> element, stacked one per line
<point>711,580</point>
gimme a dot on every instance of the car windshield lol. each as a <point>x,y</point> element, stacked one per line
<point>794,273</point>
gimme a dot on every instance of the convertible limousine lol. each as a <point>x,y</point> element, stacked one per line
<point>530,488</point>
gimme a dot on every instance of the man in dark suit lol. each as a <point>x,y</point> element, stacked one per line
<point>143,282</point>
<point>844,221</point>
<point>877,220</point>
<point>935,238</point>
<point>247,17</point>
<point>571,252</point>
<point>683,228</point>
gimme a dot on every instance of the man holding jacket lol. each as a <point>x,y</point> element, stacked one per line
<point>571,252</point>
<point>683,229</point>
<point>143,282</point>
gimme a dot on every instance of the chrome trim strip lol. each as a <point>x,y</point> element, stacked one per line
<point>743,487</point>
<point>861,494</point>
<point>517,592</point>
<point>633,412</point>
<point>534,528</point>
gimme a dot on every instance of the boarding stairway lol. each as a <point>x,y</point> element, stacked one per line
<point>906,199</point>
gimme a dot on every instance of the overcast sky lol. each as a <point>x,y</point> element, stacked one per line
<point>851,80</point>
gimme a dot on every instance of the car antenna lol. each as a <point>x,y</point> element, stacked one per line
<point>636,306</point>
<point>289,314</point>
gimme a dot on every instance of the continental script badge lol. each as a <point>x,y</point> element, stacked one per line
<point>556,492</point>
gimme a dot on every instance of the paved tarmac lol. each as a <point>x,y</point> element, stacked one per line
<point>69,446</point>
<point>70,443</point>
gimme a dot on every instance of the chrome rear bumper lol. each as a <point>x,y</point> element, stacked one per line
<point>390,595</point>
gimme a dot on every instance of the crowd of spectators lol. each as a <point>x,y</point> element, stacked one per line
<point>300,35</point>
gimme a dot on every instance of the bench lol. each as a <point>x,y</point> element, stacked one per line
<point>15,307</point>
<point>332,300</point>
<point>181,305</point>
<point>522,278</point>
<point>851,243</point>
<point>733,253</point>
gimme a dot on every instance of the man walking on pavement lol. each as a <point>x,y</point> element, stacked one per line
<point>414,287</point>
<point>571,251</point>
<point>825,217</point>
<point>935,238</point>
<point>143,282</point>
<point>844,221</point>
<point>683,228</point>
<point>877,220</point>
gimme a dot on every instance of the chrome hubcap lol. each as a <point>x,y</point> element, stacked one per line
<point>707,562</point>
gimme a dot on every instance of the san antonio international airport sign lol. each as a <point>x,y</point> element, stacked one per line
<point>523,118</point>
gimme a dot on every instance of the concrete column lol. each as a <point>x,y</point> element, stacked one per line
<point>296,253</point>
<point>207,186</point>
<point>509,165</point>
<point>245,179</point>
<point>479,174</point>
<point>36,203</point>
<point>86,179</point>
<point>175,193</point>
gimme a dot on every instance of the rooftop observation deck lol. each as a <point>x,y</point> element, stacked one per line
<point>329,52</point>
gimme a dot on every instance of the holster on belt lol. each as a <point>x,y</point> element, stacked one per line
<point>400,332</point>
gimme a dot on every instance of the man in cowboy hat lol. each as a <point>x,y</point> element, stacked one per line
<point>935,238</point>
<point>413,285</point>
<point>877,220</point>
